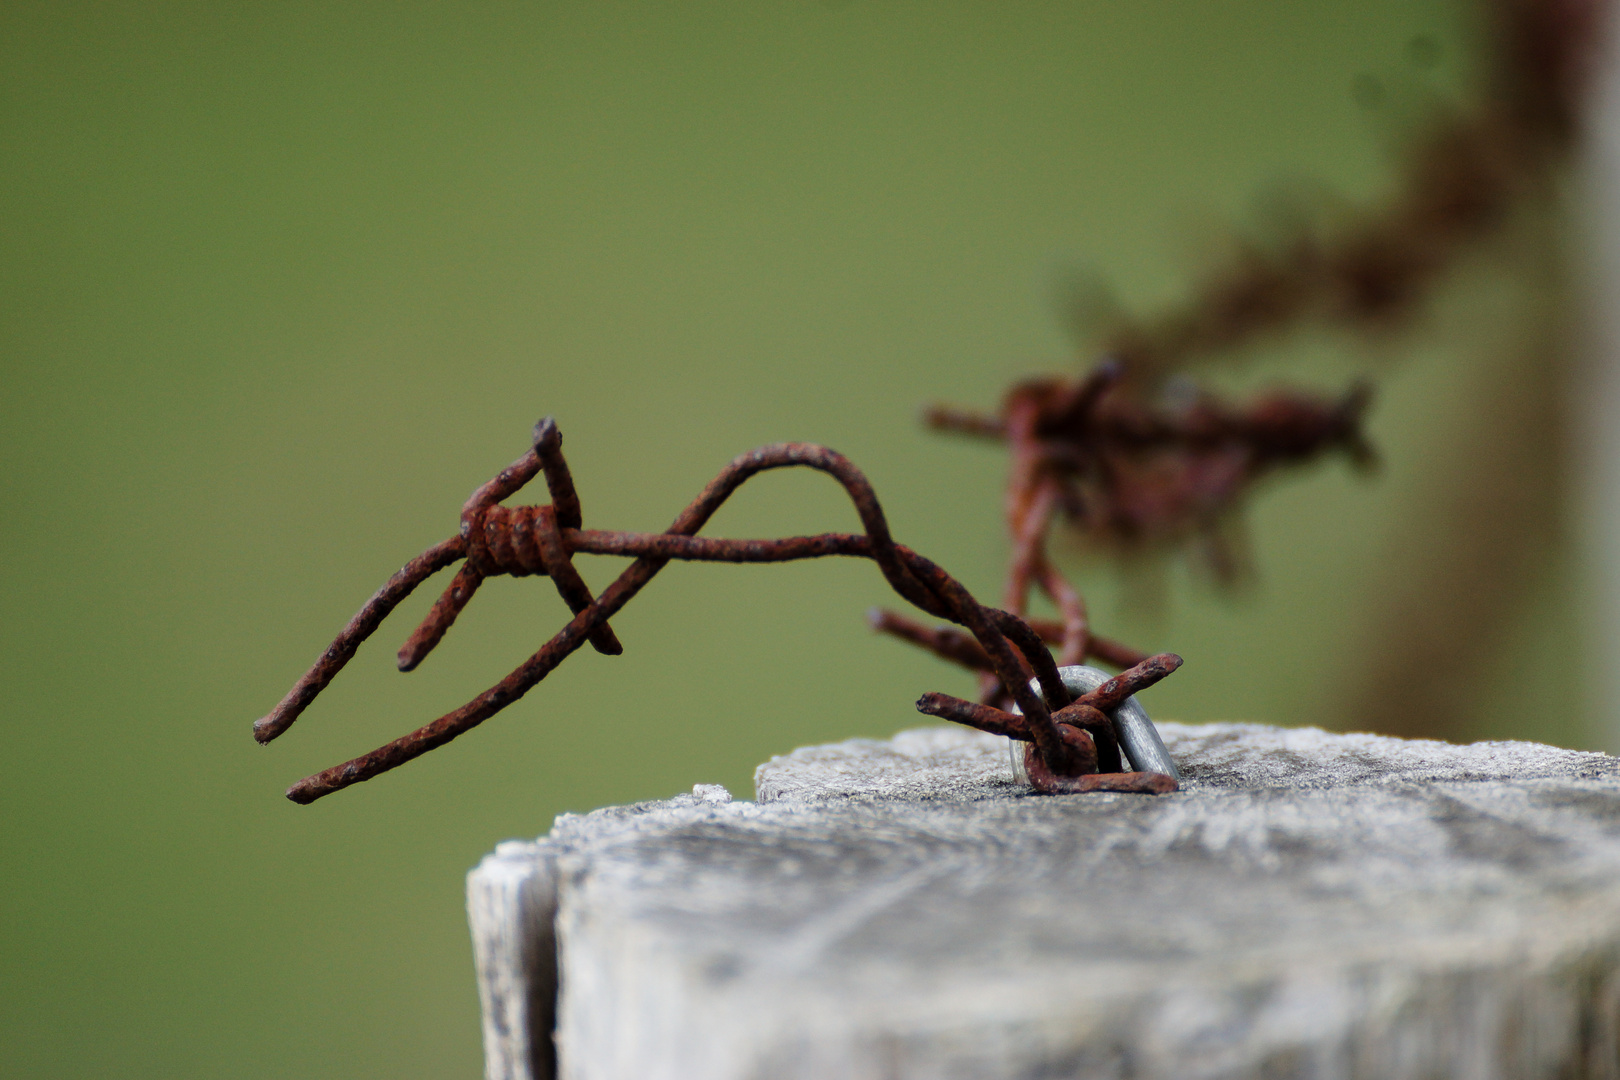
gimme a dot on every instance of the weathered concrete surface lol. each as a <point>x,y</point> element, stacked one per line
<point>1310,905</point>
<point>512,906</point>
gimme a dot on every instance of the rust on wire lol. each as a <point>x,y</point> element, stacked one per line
<point>541,540</point>
<point>1127,473</point>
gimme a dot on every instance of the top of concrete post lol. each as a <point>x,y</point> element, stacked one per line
<point>1308,905</point>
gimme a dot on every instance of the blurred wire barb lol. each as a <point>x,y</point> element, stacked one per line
<point>1134,455</point>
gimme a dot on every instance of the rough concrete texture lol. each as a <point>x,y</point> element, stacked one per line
<point>1309,905</point>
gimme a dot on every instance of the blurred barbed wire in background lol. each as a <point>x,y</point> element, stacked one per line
<point>1136,456</point>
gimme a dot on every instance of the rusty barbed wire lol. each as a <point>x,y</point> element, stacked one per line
<point>1118,470</point>
<point>1460,176</point>
<point>1110,454</point>
<point>1131,461</point>
<point>540,540</point>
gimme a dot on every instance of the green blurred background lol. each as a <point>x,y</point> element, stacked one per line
<point>283,283</point>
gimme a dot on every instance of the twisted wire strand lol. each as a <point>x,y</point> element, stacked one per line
<point>497,539</point>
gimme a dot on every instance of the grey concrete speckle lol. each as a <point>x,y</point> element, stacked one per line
<point>1309,905</point>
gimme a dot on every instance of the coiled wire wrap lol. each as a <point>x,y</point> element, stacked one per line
<point>1139,740</point>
